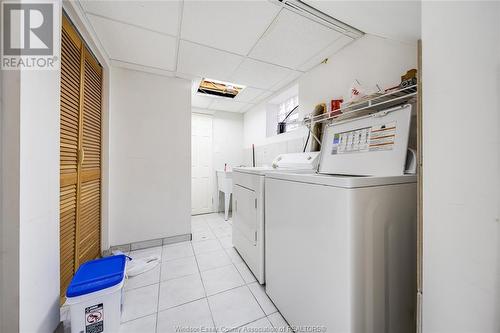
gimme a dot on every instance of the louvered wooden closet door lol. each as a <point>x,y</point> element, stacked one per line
<point>89,220</point>
<point>69,136</point>
<point>80,154</point>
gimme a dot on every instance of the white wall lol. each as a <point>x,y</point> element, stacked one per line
<point>461,162</point>
<point>255,123</point>
<point>227,139</point>
<point>150,161</point>
<point>254,128</point>
<point>30,188</point>
<point>227,142</point>
<point>257,127</point>
<point>371,60</point>
<point>39,201</point>
<point>267,148</point>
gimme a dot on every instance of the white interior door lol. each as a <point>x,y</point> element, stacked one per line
<point>201,164</point>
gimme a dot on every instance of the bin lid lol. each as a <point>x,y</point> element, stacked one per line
<point>97,275</point>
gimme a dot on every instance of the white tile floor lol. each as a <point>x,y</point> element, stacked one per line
<point>200,285</point>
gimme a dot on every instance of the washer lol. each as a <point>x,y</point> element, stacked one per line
<point>248,205</point>
<point>341,249</point>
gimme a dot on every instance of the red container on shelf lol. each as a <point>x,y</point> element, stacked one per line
<point>336,104</point>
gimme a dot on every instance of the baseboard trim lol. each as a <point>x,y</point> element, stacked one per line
<point>125,248</point>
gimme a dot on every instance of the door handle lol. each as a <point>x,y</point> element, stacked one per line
<point>81,156</point>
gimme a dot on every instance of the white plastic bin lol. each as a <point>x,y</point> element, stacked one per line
<point>95,296</point>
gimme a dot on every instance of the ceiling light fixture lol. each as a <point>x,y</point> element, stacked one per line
<point>312,13</point>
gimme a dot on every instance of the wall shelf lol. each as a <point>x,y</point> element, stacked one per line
<point>372,104</point>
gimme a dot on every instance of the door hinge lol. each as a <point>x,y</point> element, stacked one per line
<point>255,203</point>
<point>255,236</point>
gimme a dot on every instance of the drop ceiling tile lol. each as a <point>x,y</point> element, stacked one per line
<point>233,26</point>
<point>292,40</point>
<point>247,108</point>
<point>329,51</point>
<point>135,45</point>
<point>206,62</point>
<point>292,76</point>
<point>227,105</point>
<point>248,94</point>
<point>186,76</point>
<point>128,65</point>
<point>398,20</point>
<point>162,16</point>
<point>202,102</point>
<point>259,74</point>
<point>264,96</point>
<point>284,94</point>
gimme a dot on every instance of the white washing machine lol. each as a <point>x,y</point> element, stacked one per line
<point>248,205</point>
<point>341,249</point>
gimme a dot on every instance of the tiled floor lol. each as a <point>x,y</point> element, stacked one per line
<point>200,285</point>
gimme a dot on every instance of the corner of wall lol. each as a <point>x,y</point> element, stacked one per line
<point>105,177</point>
<point>2,268</point>
<point>9,219</point>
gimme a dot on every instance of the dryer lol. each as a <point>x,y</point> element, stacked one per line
<point>248,205</point>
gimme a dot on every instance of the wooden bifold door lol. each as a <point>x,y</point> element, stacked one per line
<point>80,155</point>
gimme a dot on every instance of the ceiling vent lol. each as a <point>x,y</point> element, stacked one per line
<point>312,13</point>
<point>219,88</point>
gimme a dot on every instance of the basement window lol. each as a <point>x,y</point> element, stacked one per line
<point>219,88</point>
<point>282,112</point>
<point>288,113</point>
